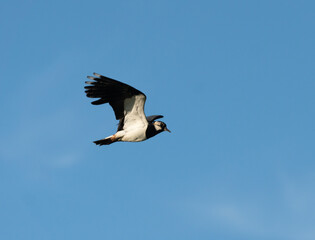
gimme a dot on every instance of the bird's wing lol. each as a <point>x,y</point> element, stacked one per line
<point>153,117</point>
<point>126,101</point>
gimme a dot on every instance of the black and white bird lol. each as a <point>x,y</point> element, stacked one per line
<point>128,105</point>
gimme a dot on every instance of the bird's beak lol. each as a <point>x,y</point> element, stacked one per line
<point>166,129</point>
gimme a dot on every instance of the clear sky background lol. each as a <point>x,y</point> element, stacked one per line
<point>235,82</point>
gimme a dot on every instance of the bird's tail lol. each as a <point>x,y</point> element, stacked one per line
<point>106,141</point>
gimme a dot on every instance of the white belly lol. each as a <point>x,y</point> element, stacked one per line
<point>134,135</point>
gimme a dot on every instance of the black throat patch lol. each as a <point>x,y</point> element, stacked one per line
<point>151,131</point>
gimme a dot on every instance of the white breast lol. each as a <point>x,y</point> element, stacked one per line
<point>134,135</point>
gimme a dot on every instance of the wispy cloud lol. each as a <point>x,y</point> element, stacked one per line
<point>43,119</point>
<point>65,160</point>
<point>290,214</point>
<point>233,216</point>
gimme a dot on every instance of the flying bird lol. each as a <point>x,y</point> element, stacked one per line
<point>128,105</point>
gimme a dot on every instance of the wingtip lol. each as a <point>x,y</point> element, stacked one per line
<point>97,75</point>
<point>91,78</point>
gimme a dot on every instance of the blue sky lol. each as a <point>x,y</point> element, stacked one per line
<point>235,82</point>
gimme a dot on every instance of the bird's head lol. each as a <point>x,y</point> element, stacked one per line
<point>160,126</point>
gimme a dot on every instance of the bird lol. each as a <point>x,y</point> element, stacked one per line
<point>128,105</point>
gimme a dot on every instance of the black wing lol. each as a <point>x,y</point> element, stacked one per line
<point>111,91</point>
<point>153,117</point>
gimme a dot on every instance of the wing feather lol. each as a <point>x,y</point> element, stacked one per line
<point>153,117</point>
<point>126,101</point>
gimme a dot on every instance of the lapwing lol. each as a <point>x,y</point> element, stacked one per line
<point>128,105</point>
